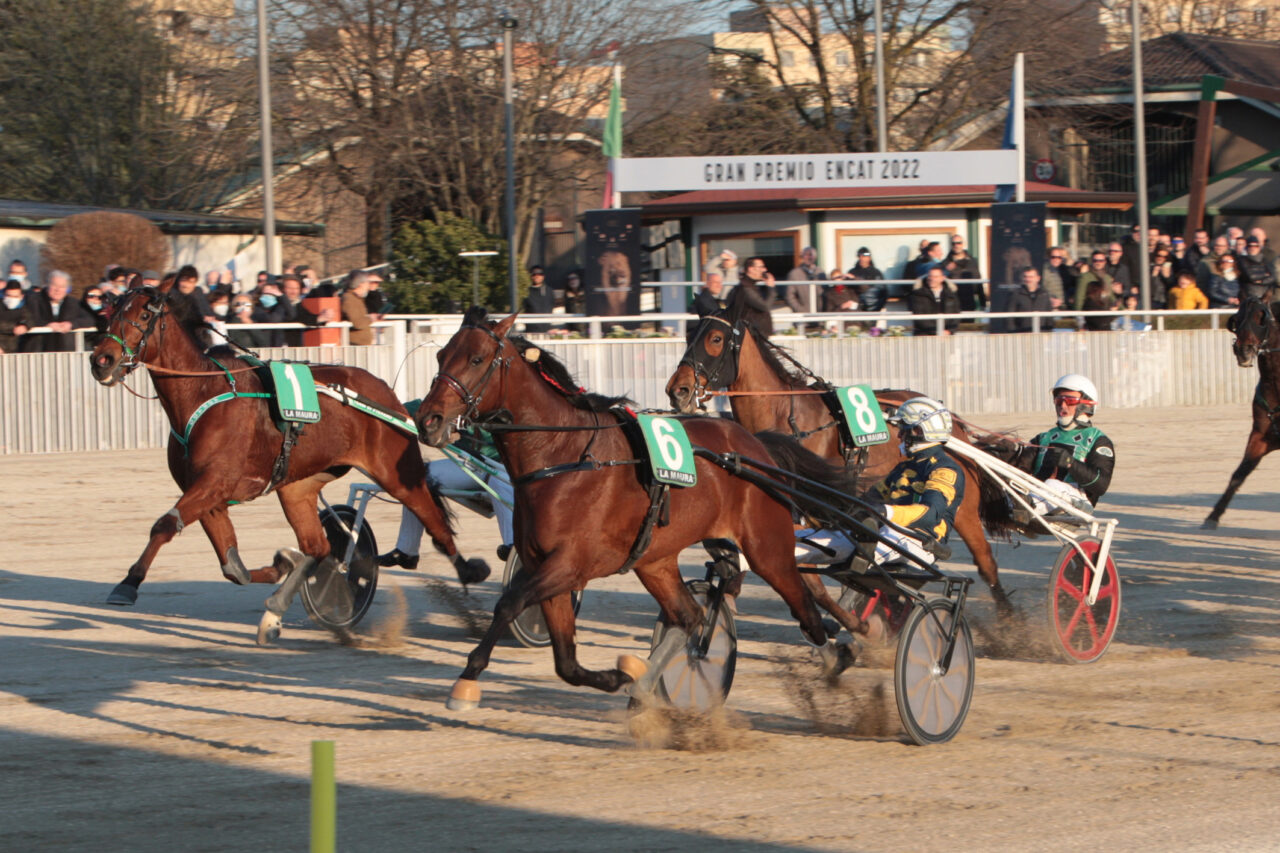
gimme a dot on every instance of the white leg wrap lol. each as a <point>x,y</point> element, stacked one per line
<point>174,512</point>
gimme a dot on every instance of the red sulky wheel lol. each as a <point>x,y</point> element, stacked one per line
<point>1081,632</point>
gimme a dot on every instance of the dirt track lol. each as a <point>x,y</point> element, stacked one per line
<point>164,727</point>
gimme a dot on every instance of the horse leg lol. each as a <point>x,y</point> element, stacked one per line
<point>772,557</point>
<point>969,527</point>
<point>851,622</point>
<point>298,500</point>
<point>217,526</point>
<point>194,504</point>
<point>417,498</point>
<point>1255,448</point>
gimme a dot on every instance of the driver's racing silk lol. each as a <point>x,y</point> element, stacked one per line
<point>924,491</point>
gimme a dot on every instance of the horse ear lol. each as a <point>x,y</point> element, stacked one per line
<point>502,327</point>
<point>168,282</point>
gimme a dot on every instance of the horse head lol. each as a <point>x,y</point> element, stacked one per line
<point>710,361</point>
<point>134,319</point>
<point>470,380</point>
<point>1254,327</point>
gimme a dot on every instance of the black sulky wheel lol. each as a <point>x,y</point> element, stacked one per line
<point>933,701</point>
<point>1081,632</point>
<point>694,681</point>
<point>358,568</point>
<point>529,628</point>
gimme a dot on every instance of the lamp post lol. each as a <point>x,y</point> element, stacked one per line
<point>475,272</point>
<point>264,99</point>
<point>509,23</point>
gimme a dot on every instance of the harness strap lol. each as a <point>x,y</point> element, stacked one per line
<point>659,513</point>
<point>363,404</point>
<point>569,468</point>
<point>185,436</point>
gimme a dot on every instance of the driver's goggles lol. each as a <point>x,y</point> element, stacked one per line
<point>1067,399</point>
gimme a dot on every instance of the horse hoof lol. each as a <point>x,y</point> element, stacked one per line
<point>1209,524</point>
<point>465,695</point>
<point>472,571</point>
<point>268,629</point>
<point>632,667</point>
<point>123,595</point>
<point>836,658</point>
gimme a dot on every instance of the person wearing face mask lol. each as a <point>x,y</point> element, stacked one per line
<point>13,316</point>
<point>94,303</point>
<point>18,273</point>
<point>271,308</point>
<point>53,307</point>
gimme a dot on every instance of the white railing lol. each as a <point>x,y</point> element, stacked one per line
<point>50,403</point>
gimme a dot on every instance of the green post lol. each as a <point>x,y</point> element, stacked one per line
<point>324,799</point>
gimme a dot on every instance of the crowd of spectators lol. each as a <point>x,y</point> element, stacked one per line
<point>1211,272</point>
<point>44,319</point>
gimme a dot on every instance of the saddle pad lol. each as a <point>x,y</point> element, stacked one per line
<point>862,415</point>
<point>295,392</point>
<point>670,454</point>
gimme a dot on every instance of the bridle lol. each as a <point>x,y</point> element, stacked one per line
<point>152,314</point>
<point>1261,329</point>
<point>707,372</point>
<point>471,399</point>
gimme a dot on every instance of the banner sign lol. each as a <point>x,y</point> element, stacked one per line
<point>612,274</point>
<point>801,171</point>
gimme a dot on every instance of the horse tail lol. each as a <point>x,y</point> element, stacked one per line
<point>994,507</point>
<point>791,456</point>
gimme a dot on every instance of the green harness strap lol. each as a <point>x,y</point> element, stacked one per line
<point>185,437</point>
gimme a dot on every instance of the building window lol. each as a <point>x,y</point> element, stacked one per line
<point>1120,15</point>
<point>1260,17</point>
<point>842,59</point>
<point>1235,17</point>
<point>787,58</point>
<point>1204,15</point>
<point>1173,15</point>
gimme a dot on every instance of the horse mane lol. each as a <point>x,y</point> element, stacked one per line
<point>769,352</point>
<point>550,369</point>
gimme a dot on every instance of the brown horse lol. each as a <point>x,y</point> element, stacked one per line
<point>1257,336</point>
<point>225,444</point>
<point>768,395</point>
<point>581,505</point>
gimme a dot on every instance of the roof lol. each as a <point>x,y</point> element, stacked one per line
<point>43,214</point>
<point>1250,188</point>
<point>829,198</point>
<point>1174,61</point>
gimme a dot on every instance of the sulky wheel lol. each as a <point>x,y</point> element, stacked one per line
<point>332,607</point>
<point>693,681</point>
<point>933,697</point>
<point>1080,632</point>
<point>529,628</point>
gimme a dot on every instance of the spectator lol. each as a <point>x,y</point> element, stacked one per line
<point>1097,273</point>
<point>541,298</point>
<point>220,303</point>
<point>1181,256</point>
<point>18,273</point>
<point>575,300</point>
<point>912,268</point>
<point>871,297</point>
<point>1258,276</point>
<point>1208,267</point>
<point>1059,277</point>
<point>54,308</point>
<point>1186,295</point>
<point>1097,297</point>
<point>1162,274</point>
<point>148,278</point>
<point>1136,252</point>
<point>1030,297</point>
<point>959,264</point>
<point>307,275</point>
<point>711,297</point>
<point>1128,322</point>
<point>375,301</point>
<point>93,304</point>
<point>725,263</point>
<point>354,310</point>
<point>13,316</point>
<point>757,276</point>
<point>271,308</point>
<point>1117,267</point>
<point>840,297</point>
<point>1239,246</point>
<point>296,312</point>
<point>1234,233</point>
<point>187,288</point>
<point>805,298</point>
<point>934,293</point>
<point>1268,254</point>
<point>242,314</point>
<point>1224,285</point>
<point>211,281</point>
<point>933,257</point>
<point>1199,249</point>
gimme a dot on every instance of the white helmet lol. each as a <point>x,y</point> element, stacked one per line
<point>923,421</point>
<point>1088,397</point>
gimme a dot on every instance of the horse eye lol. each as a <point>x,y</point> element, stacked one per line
<point>145,315</point>
<point>475,360</point>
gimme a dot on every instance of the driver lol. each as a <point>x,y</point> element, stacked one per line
<point>921,493</point>
<point>1074,458</point>
<point>447,474</point>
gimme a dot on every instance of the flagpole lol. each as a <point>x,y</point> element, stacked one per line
<point>1140,157</point>
<point>616,200</point>
<point>1019,127</point>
